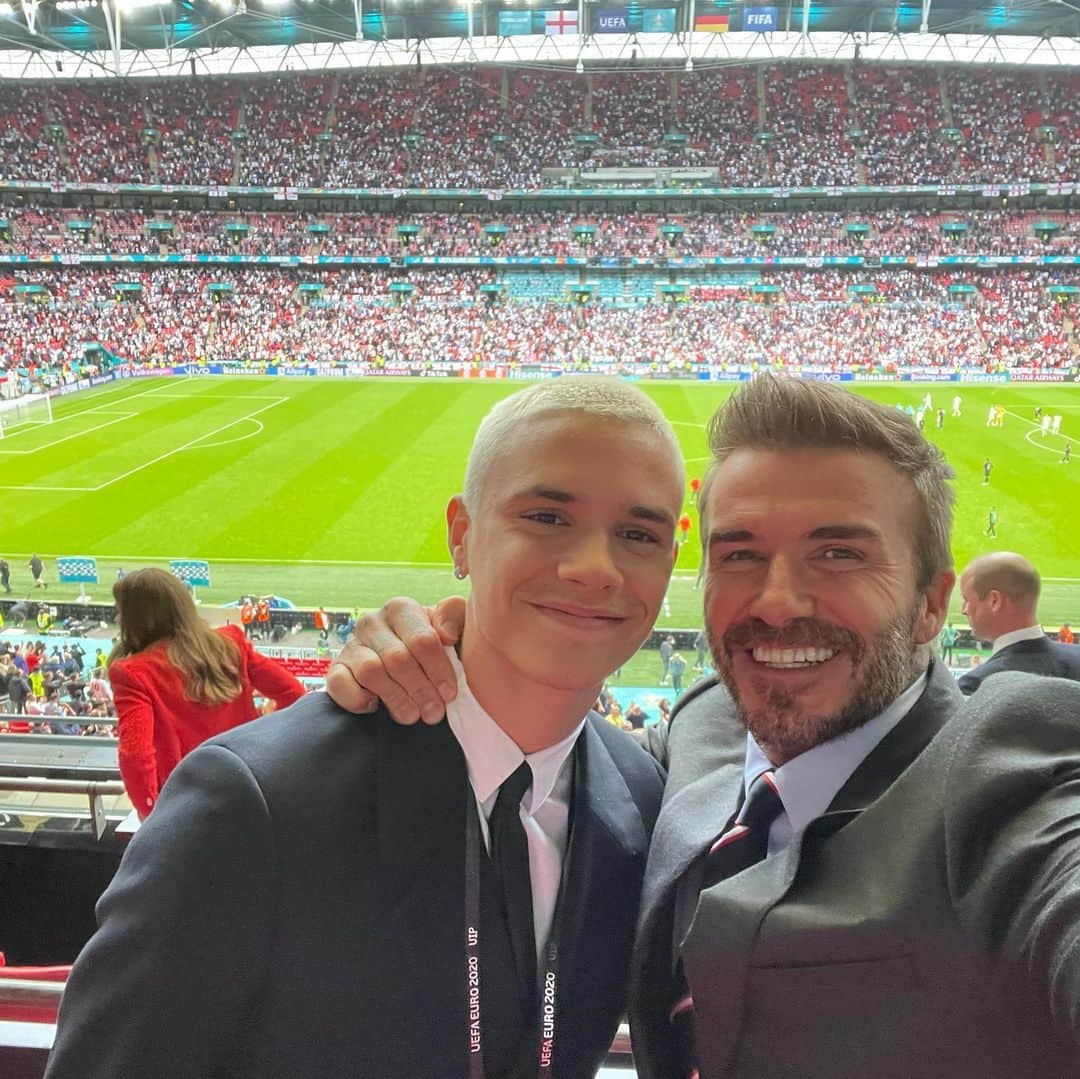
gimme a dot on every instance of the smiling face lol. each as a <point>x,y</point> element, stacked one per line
<point>570,549</point>
<point>811,603</point>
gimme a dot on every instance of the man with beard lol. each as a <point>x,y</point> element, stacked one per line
<point>854,873</point>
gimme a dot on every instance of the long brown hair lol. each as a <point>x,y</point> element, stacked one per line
<point>152,606</point>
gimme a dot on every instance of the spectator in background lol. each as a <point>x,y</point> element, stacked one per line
<point>1001,597</point>
<point>677,668</point>
<point>262,617</point>
<point>18,690</point>
<point>667,647</point>
<point>99,689</point>
<point>1065,634</point>
<point>947,642</point>
<point>37,571</point>
<point>636,716</point>
<point>615,716</point>
<point>5,575</point>
<point>177,682</point>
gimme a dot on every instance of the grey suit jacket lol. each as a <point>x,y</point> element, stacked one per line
<point>1040,656</point>
<point>927,926</point>
<point>294,909</point>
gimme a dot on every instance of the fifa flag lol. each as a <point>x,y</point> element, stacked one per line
<point>711,24</point>
<point>759,20</point>
<point>658,20</point>
<point>560,22</point>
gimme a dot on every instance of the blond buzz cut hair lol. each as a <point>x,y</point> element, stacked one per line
<point>589,395</point>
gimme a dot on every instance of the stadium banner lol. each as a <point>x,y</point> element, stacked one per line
<point>532,371</point>
<point>77,569</point>
<point>613,21</point>
<point>1039,374</point>
<point>983,376</point>
<point>658,20</point>
<point>515,23</point>
<point>712,24</point>
<point>679,376</point>
<point>875,376</point>
<point>149,372</point>
<point>192,571</point>
<point>557,23</point>
<point>929,376</point>
<point>759,20</point>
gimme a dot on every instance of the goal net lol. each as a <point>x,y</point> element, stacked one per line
<point>21,412</point>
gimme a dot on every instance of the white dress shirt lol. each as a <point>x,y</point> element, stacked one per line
<point>491,757</point>
<point>809,782</point>
<point>1028,633</point>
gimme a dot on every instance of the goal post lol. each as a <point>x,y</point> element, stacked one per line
<point>31,410</point>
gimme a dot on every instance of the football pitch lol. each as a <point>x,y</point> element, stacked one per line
<point>333,491</point>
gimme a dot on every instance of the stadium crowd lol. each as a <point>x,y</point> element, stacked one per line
<point>54,687</point>
<point>835,319</point>
<point>45,232</point>
<point>782,124</point>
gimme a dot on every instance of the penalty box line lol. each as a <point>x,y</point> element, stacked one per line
<point>120,417</point>
<point>190,444</point>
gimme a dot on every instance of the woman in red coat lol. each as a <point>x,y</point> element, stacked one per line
<point>177,682</point>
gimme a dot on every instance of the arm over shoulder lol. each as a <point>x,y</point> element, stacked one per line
<point>165,988</point>
<point>1012,832</point>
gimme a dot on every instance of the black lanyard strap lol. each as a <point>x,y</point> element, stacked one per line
<point>548,972</point>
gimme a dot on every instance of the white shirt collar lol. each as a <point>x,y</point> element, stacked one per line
<point>809,782</point>
<point>1028,633</point>
<point>491,755</point>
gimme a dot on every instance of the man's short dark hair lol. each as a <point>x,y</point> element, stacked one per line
<point>770,413</point>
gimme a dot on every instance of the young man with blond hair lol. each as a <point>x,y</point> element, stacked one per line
<point>314,897</point>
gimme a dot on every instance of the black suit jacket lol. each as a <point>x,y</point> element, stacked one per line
<point>1040,656</point>
<point>294,907</point>
<point>926,926</point>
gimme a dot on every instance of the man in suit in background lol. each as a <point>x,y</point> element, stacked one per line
<point>317,898</point>
<point>1001,599</point>
<point>854,874</point>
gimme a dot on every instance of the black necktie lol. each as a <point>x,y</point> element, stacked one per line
<point>510,854</point>
<point>743,844</point>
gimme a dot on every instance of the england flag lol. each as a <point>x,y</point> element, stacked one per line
<point>560,22</point>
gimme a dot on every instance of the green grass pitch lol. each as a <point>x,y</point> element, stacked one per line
<point>333,491</point>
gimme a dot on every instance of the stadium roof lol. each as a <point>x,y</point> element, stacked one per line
<point>159,37</point>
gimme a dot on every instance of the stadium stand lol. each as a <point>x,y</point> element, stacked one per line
<point>780,123</point>
<point>42,232</point>
<point>838,319</point>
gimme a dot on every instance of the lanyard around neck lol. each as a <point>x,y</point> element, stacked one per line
<point>548,971</point>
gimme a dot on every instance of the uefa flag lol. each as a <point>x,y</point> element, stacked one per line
<point>658,20</point>
<point>711,24</point>
<point>560,22</point>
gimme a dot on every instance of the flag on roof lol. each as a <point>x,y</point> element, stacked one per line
<point>711,24</point>
<point>560,22</point>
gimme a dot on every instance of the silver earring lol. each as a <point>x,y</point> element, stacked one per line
<point>459,573</point>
